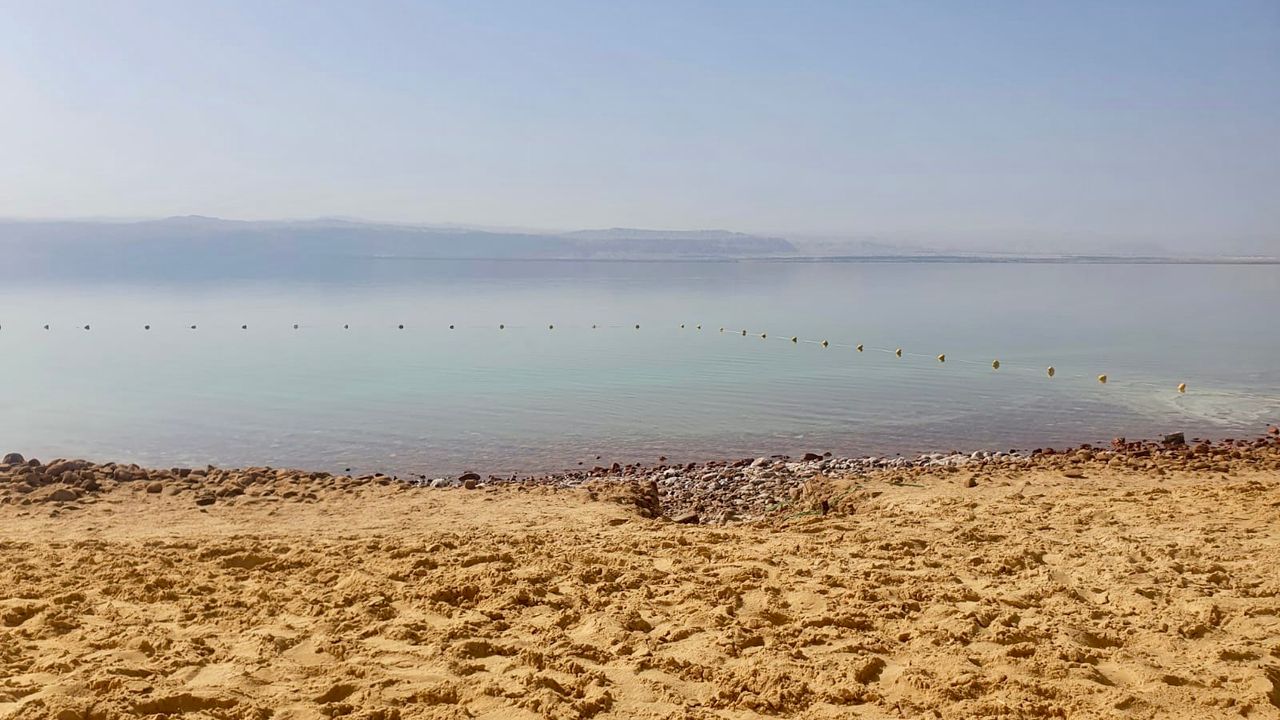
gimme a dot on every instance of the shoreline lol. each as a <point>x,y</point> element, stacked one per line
<point>715,492</point>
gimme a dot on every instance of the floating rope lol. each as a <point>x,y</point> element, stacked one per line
<point>1050,371</point>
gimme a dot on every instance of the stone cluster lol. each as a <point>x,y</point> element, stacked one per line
<point>706,493</point>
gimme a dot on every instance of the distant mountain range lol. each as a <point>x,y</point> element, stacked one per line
<point>203,246</point>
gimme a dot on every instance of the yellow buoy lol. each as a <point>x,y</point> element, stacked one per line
<point>795,339</point>
<point>859,347</point>
<point>1182,387</point>
<point>995,364</point>
<point>942,357</point>
<point>898,352</point>
<point>1102,379</point>
<point>824,343</point>
<point>1051,371</point>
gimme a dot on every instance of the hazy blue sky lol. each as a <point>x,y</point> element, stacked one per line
<point>1074,122</point>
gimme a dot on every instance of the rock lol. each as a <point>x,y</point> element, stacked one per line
<point>14,459</point>
<point>203,500</point>
<point>1175,439</point>
<point>155,487</point>
<point>470,483</point>
<point>690,518</point>
<point>469,476</point>
<point>62,494</point>
<point>761,462</point>
<point>442,483</point>
<point>972,482</point>
<point>811,457</point>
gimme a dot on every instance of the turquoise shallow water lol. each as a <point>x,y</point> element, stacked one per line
<point>431,400</point>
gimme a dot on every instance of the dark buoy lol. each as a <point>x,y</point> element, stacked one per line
<point>551,327</point>
<point>146,327</point>
<point>400,326</point>
<point>86,327</point>
<point>193,327</point>
<point>450,327</point>
<point>295,326</point>
<point>244,327</point>
<point>346,327</point>
<point>46,327</point>
<point>502,327</point>
<point>637,327</point>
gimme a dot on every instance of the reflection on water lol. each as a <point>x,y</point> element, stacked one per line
<point>433,400</point>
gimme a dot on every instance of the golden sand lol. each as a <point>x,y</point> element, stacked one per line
<point>1014,593</point>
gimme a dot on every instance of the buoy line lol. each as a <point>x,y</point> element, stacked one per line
<point>1050,371</point>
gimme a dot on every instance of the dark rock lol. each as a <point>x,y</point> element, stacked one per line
<point>690,518</point>
<point>1175,439</point>
<point>155,487</point>
<point>811,457</point>
<point>203,500</point>
<point>470,483</point>
<point>14,459</point>
<point>469,476</point>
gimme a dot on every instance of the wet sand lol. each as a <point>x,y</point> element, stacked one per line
<point>1079,584</point>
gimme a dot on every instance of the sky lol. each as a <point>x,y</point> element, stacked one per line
<point>1064,125</point>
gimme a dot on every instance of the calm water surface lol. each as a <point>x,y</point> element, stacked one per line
<point>427,399</point>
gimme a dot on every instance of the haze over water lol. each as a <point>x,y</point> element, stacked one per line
<point>433,401</point>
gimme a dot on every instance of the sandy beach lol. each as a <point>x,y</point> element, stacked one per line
<point>1138,581</point>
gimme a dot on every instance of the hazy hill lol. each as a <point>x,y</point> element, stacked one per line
<point>211,245</point>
